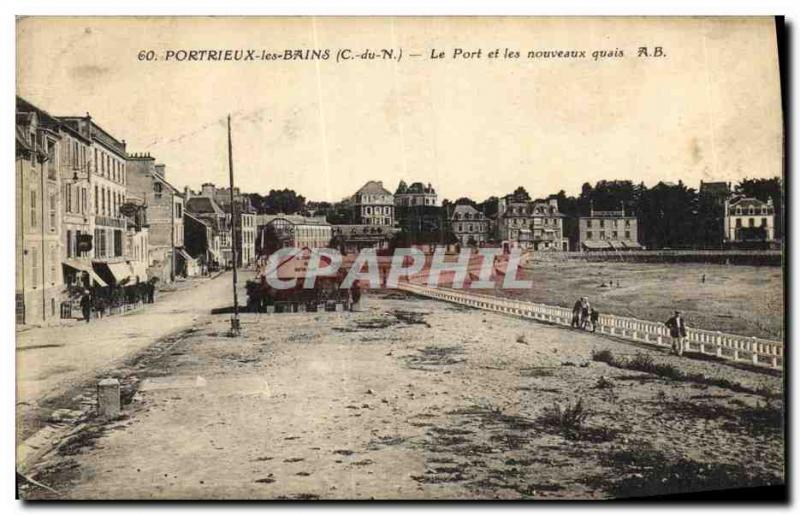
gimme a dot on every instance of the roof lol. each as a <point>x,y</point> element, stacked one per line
<point>416,188</point>
<point>293,219</point>
<point>746,202</point>
<point>462,209</point>
<point>162,180</point>
<point>203,205</point>
<point>373,188</point>
<point>187,214</point>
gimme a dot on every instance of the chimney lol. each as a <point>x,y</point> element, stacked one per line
<point>159,169</point>
<point>187,193</point>
<point>208,190</point>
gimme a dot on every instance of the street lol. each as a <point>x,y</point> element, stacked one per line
<point>409,398</point>
<point>52,360</point>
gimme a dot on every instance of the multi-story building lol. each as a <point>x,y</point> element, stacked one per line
<point>107,180</point>
<point>373,205</point>
<point>749,220</point>
<point>276,231</point>
<point>165,206</point>
<point>39,284</point>
<point>137,237</point>
<point>203,207</point>
<point>244,216</point>
<point>530,224</point>
<point>608,230</point>
<point>78,214</point>
<point>469,226</point>
<point>201,239</point>
<point>415,195</point>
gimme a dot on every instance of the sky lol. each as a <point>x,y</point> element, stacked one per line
<point>709,110</point>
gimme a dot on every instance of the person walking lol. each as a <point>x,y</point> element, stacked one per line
<point>576,314</point>
<point>86,306</point>
<point>677,331</point>
<point>151,292</point>
<point>585,309</point>
<point>594,316</point>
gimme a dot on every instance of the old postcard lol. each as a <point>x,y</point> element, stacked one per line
<point>443,258</point>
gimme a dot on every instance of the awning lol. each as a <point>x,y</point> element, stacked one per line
<point>632,244</point>
<point>596,245</point>
<point>83,266</point>
<point>185,255</point>
<point>118,272</point>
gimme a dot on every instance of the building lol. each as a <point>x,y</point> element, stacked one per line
<point>530,224</point>
<point>201,240</point>
<point>351,238</point>
<point>146,180</point>
<point>39,283</point>
<point>469,226</point>
<point>415,195</point>
<point>608,230</point>
<point>245,227</point>
<point>78,217</point>
<point>748,221</point>
<point>204,208</point>
<point>107,180</point>
<point>137,237</point>
<point>277,231</point>
<point>373,205</point>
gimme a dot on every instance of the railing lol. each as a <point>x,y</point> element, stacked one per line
<point>757,351</point>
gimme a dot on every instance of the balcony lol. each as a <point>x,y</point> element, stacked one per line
<point>110,221</point>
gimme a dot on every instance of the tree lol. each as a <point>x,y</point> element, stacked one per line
<point>489,206</point>
<point>466,201</point>
<point>284,201</point>
<point>521,193</point>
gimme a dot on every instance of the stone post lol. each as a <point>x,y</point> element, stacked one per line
<point>108,401</point>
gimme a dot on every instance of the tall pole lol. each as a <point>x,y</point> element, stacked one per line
<point>235,328</point>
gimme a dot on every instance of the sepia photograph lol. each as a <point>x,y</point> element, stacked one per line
<point>444,258</point>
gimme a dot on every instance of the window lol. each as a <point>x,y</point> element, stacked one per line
<point>69,243</point>
<point>103,200</point>
<point>627,235</point>
<point>53,261</point>
<point>96,199</point>
<point>52,211</point>
<point>751,222</point>
<point>602,235</point>
<point>763,222</point>
<point>614,235</point>
<point>602,223</point>
<point>589,222</point>
<point>34,218</point>
<point>35,267</point>
<point>738,222</point>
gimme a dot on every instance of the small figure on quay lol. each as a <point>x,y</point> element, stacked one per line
<point>86,306</point>
<point>585,309</point>
<point>576,314</point>
<point>594,316</point>
<point>677,331</point>
<point>703,279</point>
